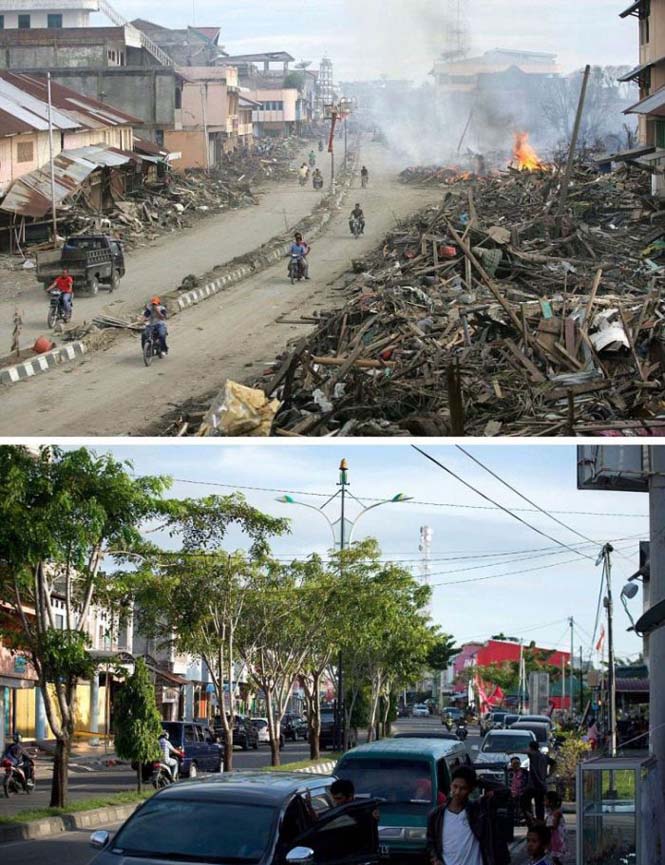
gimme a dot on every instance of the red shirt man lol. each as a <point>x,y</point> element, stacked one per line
<point>63,283</point>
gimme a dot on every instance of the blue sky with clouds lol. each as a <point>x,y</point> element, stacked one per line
<point>543,584</point>
<point>402,37</point>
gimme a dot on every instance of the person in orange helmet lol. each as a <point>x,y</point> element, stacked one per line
<point>155,316</point>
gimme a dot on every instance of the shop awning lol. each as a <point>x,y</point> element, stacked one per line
<point>653,105</point>
<point>638,70</point>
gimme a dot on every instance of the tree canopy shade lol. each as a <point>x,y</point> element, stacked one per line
<point>61,514</point>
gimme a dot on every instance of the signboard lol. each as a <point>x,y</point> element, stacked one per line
<point>613,467</point>
<point>170,695</point>
<point>20,664</point>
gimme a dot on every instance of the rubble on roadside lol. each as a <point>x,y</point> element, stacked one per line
<point>495,315</point>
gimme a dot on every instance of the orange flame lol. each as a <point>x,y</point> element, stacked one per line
<point>524,155</point>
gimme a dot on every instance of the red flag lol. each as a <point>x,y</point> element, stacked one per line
<point>601,639</point>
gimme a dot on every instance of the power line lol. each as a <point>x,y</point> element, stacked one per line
<point>526,499</point>
<point>410,502</point>
<point>506,574</point>
<point>502,507</point>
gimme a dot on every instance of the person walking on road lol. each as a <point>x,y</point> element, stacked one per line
<point>519,778</point>
<point>539,765</point>
<point>461,832</point>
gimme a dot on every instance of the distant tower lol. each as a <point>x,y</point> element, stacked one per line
<point>326,89</point>
<point>456,32</point>
<point>425,548</point>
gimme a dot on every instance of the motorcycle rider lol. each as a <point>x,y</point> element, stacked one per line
<point>20,758</point>
<point>300,248</point>
<point>312,158</point>
<point>320,146</point>
<point>65,284</point>
<point>364,175</point>
<point>303,173</point>
<point>357,213</point>
<point>167,749</point>
<point>317,179</point>
<point>155,316</point>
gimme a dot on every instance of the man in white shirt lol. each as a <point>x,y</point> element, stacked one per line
<point>460,832</point>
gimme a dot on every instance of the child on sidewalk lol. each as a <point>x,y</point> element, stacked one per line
<point>537,843</point>
<point>557,823</point>
<point>518,781</point>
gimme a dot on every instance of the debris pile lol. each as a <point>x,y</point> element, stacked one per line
<point>175,201</point>
<point>498,313</point>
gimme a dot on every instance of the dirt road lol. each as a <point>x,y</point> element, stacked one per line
<point>162,265</point>
<point>112,393</point>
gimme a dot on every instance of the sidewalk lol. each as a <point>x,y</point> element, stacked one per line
<point>83,753</point>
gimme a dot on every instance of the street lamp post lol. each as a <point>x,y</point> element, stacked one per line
<point>342,533</point>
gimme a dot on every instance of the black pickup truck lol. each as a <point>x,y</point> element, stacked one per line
<point>91,259</point>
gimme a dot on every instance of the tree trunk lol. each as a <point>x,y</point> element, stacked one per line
<point>139,778</point>
<point>314,722</point>
<point>274,734</point>
<point>60,782</point>
<point>228,748</point>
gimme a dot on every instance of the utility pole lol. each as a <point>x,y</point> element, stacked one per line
<point>657,595</point>
<point>343,483</point>
<point>563,199</point>
<point>581,683</point>
<point>608,549</point>
<point>571,622</point>
<point>51,156</point>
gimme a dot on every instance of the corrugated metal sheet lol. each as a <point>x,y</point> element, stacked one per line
<point>30,195</point>
<point>30,109</point>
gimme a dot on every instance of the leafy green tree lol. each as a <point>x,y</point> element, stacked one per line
<point>442,651</point>
<point>195,599</point>
<point>137,723</point>
<point>61,515</point>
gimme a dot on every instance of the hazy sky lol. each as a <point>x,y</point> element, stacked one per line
<point>402,37</point>
<point>544,584</point>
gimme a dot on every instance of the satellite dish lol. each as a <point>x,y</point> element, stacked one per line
<point>653,619</point>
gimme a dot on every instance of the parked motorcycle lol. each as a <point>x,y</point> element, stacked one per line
<point>151,345</point>
<point>56,309</point>
<point>356,227</point>
<point>161,773</point>
<point>296,271</point>
<point>461,732</point>
<point>15,780</point>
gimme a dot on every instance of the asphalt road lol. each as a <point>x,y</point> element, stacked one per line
<point>110,392</point>
<point>85,782</point>
<point>73,847</point>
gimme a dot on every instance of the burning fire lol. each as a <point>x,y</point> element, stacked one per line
<point>524,155</point>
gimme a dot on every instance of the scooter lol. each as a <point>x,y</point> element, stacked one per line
<point>15,780</point>
<point>151,344</point>
<point>461,732</point>
<point>296,271</point>
<point>317,182</point>
<point>364,180</point>
<point>356,227</point>
<point>161,773</point>
<point>56,309</point>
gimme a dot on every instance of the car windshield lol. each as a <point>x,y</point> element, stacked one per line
<point>391,780</point>
<point>502,744</point>
<point>259,723</point>
<point>179,830</point>
<point>174,730</point>
<point>328,715</point>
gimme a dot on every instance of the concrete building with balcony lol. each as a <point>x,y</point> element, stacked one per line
<point>649,74</point>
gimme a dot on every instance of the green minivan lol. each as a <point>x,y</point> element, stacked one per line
<point>409,777</point>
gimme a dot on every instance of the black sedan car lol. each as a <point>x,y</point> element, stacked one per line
<point>255,818</point>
